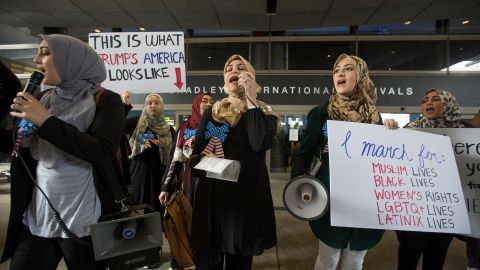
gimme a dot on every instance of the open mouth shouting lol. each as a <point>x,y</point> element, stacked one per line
<point>341,82</point>
<point>234,79</point>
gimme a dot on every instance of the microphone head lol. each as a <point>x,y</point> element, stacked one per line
<point>36,78</point>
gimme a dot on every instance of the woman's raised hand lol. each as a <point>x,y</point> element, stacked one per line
<point>126,97</point>
<point>247,81</point>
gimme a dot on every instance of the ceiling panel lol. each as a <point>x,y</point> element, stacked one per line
<point>297,20</point>
<point>142,5</point>
<point>21,6</point>
<point>287,6</point>
<point>114,19</point>
<point>244,22</point>
<point>393,14</point>
<point>197,20</point>
<point>198,6</point>
<point>235,7</point>
<point>447,9</point>
<point>354,4</point>
<point>97,5</point>
<point>348,16</point>
<point>12,20</point>
<point>41,18</point>
<point>406,2</point>
<point>55,5</point>
<point>472,13</point>
<point>78,19</point>
<point>160,20</point>
<point>11,35</point>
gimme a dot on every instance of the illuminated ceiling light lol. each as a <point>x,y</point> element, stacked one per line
<point>142,29</point>
<point>209,57</point>
<point>465,22</point>
<point>389,68</point>
<point>328,56</point>
<point>407,22</point>
<point>97,30</point>
<point>393,52</point>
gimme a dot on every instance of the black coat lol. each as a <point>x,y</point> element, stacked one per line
<point>96,146</point>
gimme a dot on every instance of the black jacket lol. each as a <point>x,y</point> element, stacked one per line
<point>96,146</point>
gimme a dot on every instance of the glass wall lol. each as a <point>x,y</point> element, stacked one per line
<point>316,55</point>
<point>212,56</point>
<point>404,55</point>
<point>464,55</point>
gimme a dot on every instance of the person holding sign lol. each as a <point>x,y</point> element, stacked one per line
<point>439,110</point>
<point>234,220</point>
<point>354,101</point>
<point>66,145</point>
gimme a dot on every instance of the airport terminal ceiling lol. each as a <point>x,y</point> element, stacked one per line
<point>281,37</point>
<point>80,17</point>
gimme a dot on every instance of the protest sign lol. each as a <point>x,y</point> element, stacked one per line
<point>394,179</point>
<point>466,146</point>
<point>142,62</point>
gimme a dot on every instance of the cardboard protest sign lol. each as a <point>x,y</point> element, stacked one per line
<point>142,62</point>
<point>394,179</point>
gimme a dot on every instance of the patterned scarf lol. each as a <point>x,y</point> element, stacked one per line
<point>159,126</point>
<point>450,116</point>
<point>229,110</point>
<point>360,106</point>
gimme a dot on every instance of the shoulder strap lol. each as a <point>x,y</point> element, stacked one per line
<point>113,184</point>
<point>98,96</point>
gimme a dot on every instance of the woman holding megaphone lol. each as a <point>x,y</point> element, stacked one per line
<point>354,101</point>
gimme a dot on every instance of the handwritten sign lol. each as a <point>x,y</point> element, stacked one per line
<point>142,62</point>
<point>394,179</point>
<point>466,146</point>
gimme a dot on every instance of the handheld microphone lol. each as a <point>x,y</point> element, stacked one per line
<point>33,82</point>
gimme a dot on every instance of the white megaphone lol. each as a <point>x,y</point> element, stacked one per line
<point>305,197</point>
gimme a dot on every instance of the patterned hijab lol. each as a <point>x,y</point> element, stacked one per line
<point>80,68</point>
<point>191,123</point>
<point>159,126</point>
<point>229,110</point>
<point>450,117</point>
<point>360,106</point>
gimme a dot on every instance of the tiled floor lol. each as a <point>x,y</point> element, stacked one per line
<point>297,247</point>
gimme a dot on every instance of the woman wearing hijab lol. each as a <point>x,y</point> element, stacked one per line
<point>234,221</point>
<point>185,139</point>
<point>68,144</point>
<point>439,110</point>
<point>151,140</point>
<point>354,101</point>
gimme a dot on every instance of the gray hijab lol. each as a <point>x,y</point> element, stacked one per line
<point>80,69</point>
